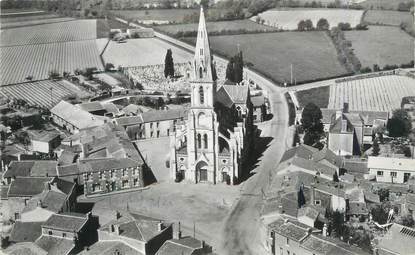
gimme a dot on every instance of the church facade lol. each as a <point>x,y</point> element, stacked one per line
<point>210,146</point>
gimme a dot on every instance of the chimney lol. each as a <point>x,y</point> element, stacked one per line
<point>178,234</point>
<point>325,229</point>
<point>19,157</point>
<point>47,186</point>
<point>117,229</point>
<point>345,107</point>
<point>203,244</point>
<point>117,215</point>
<point>312,193</point>
<point>344,125</point>
<point>159,226</point>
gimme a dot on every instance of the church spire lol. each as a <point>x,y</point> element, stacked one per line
<point>202,59</point>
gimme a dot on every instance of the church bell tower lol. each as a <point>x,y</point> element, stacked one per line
<point>203,126</point>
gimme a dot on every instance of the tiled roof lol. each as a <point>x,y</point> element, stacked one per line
<point>130,120</point>
<point>369,117</point>
<point>109,248</point>
<point>153,116</point>
<point>302,151</point>
<point>183,246</point>
<point>238,93</point>
<point>67,170</point>
<point>54,245</point>
<point>25,231</point>
<point>93,165</point>
<point>27,186</point>
<point>400,164</point>
<point>357,208</point>
<point>314,166</point>
<point>309,212</point>
<point>25,248</point>
<point>336,127</point>
<point>65,186</point>
<point>91,106</point>
<point>354,118</point>
<point>43,136</point>
<point>66,222</point>
<point>258,101</point>
<point>67,157</point>
<point>44,168</point>
<point>76,116</point>
<point>329,156</point>
<point>327,115</point>
<point>18,168</point>
<point>291,229</point>
<point>136,226</point>
<point>329,246</point>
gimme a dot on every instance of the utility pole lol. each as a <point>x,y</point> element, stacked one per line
<point>291,74</point>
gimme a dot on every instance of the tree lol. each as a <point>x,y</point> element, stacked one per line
<point>109,66</point>
<point>53,75</point>
<point>23,138</point>
<point>335,177</point>
<point>336,223</point>
<point>301,25</point>
<point>308,25</point>
<point>383,195</point>
<point>375,147</point>
<point>400,124</point>
<point>239,68</point>
<point>406,220</point>
<point>344,26</point>
<point>311,124</point>
<point>168,64</point>
<point>205,4</point>
<point>301,197</point>
<point>323,24</point>
<point>230,73</point>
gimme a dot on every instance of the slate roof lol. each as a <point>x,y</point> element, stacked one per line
<point>238,93</point>
<point>44,168</point>
<point>25,231</point>
<point>67,170</point>
<point>153,116</point>
<point>135,226</point>
<point>399,239</point>
<point>336,127</point>
<point>72,222</point>
<point>93,165</point>
<point>54,245</point>
<point>183,246</point>
<point>75,115</point>
<point>27,186</point>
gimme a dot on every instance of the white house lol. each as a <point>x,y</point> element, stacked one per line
<point>395,170</point>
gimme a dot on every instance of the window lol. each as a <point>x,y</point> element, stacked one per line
<point>112,173</point>
<point>317,202</point>
<point>135,181</point>
<point>124,172</point>
<point>201,50</point>
<point>101,175</point>
<point>63,235</point>
<point>158,124</point>
<point>125,183</point>
<point>200,73</point>
<point>201,94</point>
<point>168,132</point>
<point>281,251</point>
<point>288,241</point>
<point>158,133</point>
<point>205,140</point>
<point>199,141</point>
<point>394,174</point>
<point>50,232</point>
<point>151,134</point>
<point>379,173</point>
<point>288,252</point>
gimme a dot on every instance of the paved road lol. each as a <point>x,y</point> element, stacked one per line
<point>241,230</point>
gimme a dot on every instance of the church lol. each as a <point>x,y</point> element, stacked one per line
<point>210,146</point>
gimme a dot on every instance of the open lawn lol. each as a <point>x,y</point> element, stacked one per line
<point>169,15</point>
<point>393,18</point>
<point>382,93</point>
<point>202,205</point>
<point>312,54</point>
<point>243,26</point>
<point>382,4</point>
<point>142,52</point>
<point>288,19</point>
<point>318,96</point>
<point>382,45</point>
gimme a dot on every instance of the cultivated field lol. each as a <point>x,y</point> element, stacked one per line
<point>36,16</point>
<point>383,4</point>
<point>171,15</point>
<point>50,33</point>
<point>372,94</point>
<point>43,93</point>
<point>142,52</point>
<point>37,60</point>
<point>217,27</point>
<point>312,54</point>
<point>393,18</point>
<point>382,45</point>
<point>33,22</point>
<point>289,19</point>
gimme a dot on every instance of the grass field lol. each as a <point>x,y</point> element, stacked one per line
<point>382,45</point>
<point>142,52</point>
<point>393,18</point>
<point>39,93</point>
<point>318,96</point>
<point>312,54</point>
<point>34,22</point>
<point>170,15</point>
<point>216,27</point>
<point>288,19</point>
<point>50,33</point>
<point>383,4</point>
<point>372,94</point>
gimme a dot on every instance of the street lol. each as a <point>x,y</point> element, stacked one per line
<point>240,233</point>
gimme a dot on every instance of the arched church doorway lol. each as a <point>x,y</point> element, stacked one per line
<point>225,175</point>
<point>201,171</point>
